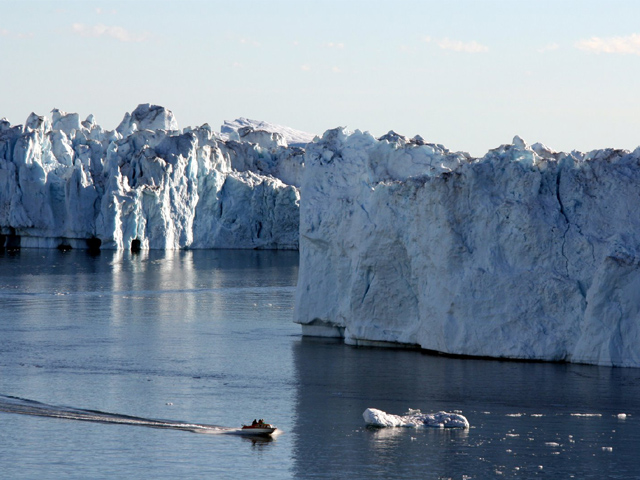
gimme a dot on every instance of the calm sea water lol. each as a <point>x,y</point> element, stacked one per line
<point>206,337</point>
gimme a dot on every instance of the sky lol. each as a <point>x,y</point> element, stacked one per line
<point>466,74</point>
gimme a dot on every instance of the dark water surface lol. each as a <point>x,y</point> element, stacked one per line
<point>179,341</point>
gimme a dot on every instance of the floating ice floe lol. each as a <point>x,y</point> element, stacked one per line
<point>414,419</point>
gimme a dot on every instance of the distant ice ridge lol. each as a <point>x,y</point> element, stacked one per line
<point>414,419</point>
<point>525,253</point>
<point>239,128</point>
<point>146,184</point>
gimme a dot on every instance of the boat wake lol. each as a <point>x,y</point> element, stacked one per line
<point>414,418</point>
<point>24,406</point>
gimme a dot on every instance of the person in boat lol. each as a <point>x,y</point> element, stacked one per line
<point>255,422</point>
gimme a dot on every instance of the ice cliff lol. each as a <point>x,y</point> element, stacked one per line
<point>147,184</point>
<point>525,253</point>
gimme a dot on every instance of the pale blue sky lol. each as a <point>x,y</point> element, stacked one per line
<point>467,74</point>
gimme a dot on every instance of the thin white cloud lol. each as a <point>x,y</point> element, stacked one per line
<point>338,46</point>
<point>250,42</point>
<point>102,11</point>
<point>548,48</point>
<point>460,46</point>
<point>118,33</point>
<point>457,45</point>
<point>9,34</point>
<point>305,68</point>
<point>629,45</point>
<point>336,70</point>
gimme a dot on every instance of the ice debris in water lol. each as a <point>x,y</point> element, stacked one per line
<point>414,418</point>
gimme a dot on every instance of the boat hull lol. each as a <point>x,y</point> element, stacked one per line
<point>256,431</point>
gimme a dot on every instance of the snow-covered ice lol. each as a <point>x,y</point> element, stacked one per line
<point>414,419</point>
<point>67,182</point>
<point>524,253</point>
<point>291,136</point>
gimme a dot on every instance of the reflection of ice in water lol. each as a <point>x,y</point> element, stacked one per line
<point>386,433</point>
<point>387,436</point>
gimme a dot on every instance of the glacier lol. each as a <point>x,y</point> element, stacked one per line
<point>69,183</point>
<point>525,253</point>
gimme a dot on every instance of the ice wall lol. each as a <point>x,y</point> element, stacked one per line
<point>66,182</point>
<point>525,253</point>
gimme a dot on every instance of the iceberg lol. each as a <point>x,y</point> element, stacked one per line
<point>68,183</point>
<point>525,253</point>
<point>414,419</point>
